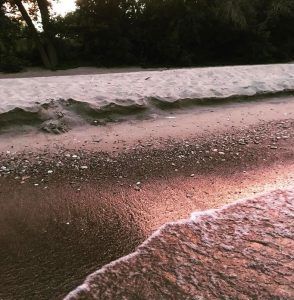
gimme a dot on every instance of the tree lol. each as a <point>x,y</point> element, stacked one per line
<point>108,25</point>
<point>43,40</point>
<point>280,23</point>
<point>48,31</point>
<point>9,34</point>
<point>160,32</point>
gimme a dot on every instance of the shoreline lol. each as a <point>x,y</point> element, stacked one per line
<point>102,201</point>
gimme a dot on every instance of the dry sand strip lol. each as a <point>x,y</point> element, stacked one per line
<point>242,251</point>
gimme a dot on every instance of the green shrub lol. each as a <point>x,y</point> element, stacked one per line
<point>10,64</point>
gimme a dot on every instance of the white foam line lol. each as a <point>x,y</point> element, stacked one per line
<point>195,218</point>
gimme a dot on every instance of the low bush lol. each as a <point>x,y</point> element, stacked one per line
<point>10,64</point>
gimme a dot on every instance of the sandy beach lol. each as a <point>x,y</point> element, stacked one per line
<point>146,150</point>
<point>74,202</point>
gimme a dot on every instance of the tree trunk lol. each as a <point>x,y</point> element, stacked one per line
<point>44,56</point>
<point>52,53</point>
<point>48,32</point>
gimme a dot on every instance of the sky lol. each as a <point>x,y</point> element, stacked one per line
<point>62,7</point>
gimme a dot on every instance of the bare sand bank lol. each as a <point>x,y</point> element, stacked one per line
<point>179,124</point>
<point>62,103</point>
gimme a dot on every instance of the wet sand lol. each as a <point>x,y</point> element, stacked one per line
<point>70,204</point>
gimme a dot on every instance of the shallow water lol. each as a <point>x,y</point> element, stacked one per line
<point>243,250</point>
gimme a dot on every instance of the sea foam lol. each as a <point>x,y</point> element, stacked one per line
<point>223,253</point>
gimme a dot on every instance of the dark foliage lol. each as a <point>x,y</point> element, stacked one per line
<point>9,33</point>
<point>172,32</point>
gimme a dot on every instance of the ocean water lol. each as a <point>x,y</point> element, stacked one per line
<point>242,251</point>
